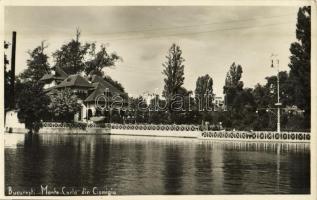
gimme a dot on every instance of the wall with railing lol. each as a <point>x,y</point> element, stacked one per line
<point>155,127</point>
<point>74,125</point>
<point>75,128</point>
<point>190,131</point>
<point>187,131</point>
<point>256,136</point>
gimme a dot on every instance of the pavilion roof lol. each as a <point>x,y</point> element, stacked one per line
<point>75,81</point>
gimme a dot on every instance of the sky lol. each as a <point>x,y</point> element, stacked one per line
<point>210,37</point>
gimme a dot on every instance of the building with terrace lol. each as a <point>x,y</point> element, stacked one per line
<point>88,89</point>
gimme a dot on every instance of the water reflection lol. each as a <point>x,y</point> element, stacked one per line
<point>147,165</point>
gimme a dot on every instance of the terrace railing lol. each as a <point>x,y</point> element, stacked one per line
<point>74,125</point>
<point>155,127</point>
<point>257,135</point>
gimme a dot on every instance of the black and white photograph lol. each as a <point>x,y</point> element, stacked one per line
<point>107,100</point>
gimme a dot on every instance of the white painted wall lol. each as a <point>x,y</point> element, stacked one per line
<point>12,120</point>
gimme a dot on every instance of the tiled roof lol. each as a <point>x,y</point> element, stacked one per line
<point>75,81</point>
<point>98,90</point>
<point>106,84</point>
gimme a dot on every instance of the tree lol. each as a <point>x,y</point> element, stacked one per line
<point>184,108</point>
<point>158,114</point>
<point>261,96</point>
<point>71,56</point>
<point>37,64</point>
<point>244,109</point>
<point>64,105</point>
<point>100,60</point>
<point>137,110</point>
<point>240,102</point>
<point>76,57</point>
<point>204,91</point>
<point>300,62</point>
<point>286,89</point>
<point>174,72</point>
<point>233,85</point>
<point>32,103</point>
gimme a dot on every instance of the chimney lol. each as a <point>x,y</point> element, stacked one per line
<point>13,69</point>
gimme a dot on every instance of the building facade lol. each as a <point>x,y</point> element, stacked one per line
<point>96,96</point>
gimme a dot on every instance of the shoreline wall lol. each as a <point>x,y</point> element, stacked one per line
<point>265,136</point>
<point>181,131</point>
<point>184,131</point>
<point>74,128</point>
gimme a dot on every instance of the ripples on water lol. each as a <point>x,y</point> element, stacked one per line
<point>133,165</point>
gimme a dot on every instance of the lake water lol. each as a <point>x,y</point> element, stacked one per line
<point>130,165</point>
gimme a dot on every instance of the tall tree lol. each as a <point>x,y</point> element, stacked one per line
<point>174,75</point>
<point>204,91</point>
<point>100,60</point>
<point>233,84</point>
<point>300,61</point>
<point>71,56</point>
<point>37,64</point>
<point>33,106</point>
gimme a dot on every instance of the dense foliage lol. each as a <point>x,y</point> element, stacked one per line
<point>64,105</point>
<point>33,106</point>
<point>76,57</point>
<point>233,85</point>
<point>204,92</point>
<point>174,76</point>
<point>300,62</point>
<point>71,56</point>
<point>37,65</point>
<point>100,60</point>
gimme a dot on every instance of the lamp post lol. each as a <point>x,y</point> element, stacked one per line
<point>278,104</point>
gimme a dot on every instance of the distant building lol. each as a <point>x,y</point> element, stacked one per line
<point>87,89</point>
